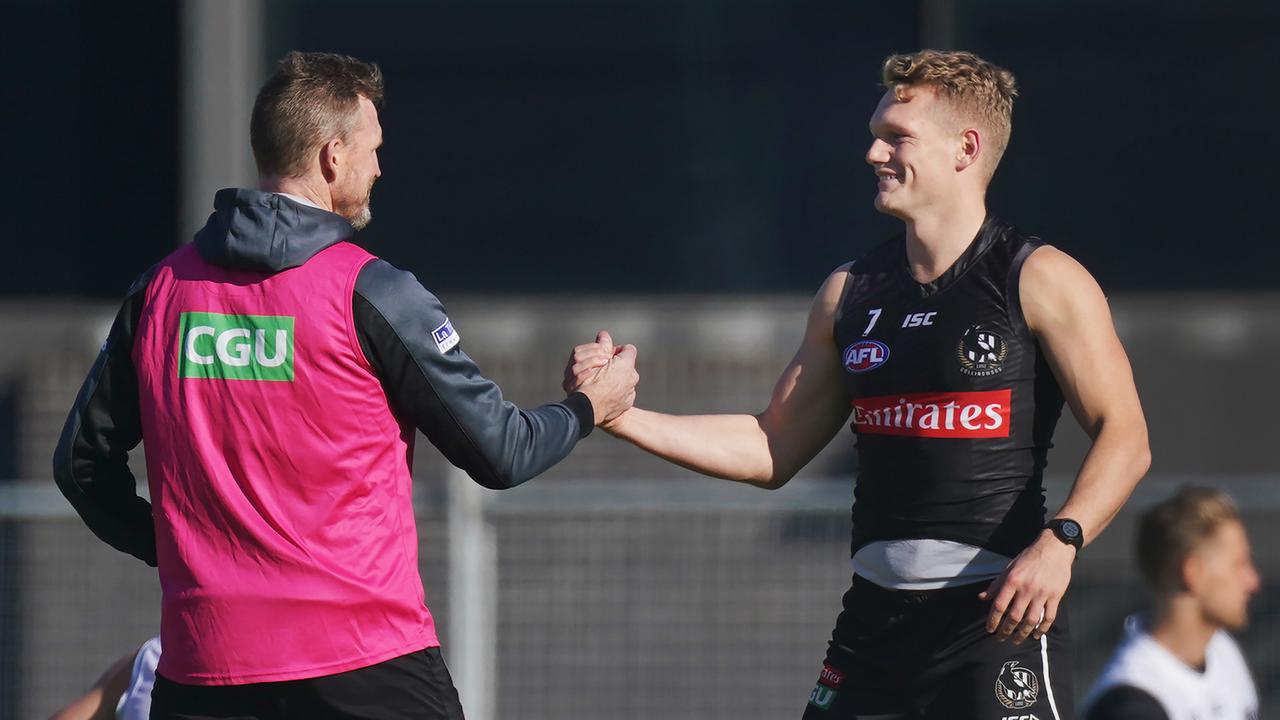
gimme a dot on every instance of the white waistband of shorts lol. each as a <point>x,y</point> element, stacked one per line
<point>924,564</point>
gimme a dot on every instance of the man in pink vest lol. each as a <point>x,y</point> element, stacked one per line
<point>279,374</point>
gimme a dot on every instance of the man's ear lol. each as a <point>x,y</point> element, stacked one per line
<point>970,149</point>
<point>1192,572</point>
<point>331,158</point>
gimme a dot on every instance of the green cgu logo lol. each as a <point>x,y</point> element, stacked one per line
<point>822,697</point>
<point>235,347</point>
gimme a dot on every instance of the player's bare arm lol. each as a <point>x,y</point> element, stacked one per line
<point>1067,312</point>
<point>99,701</point>
<point>806,410</point>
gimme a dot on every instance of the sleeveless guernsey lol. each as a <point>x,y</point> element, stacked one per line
<point>954,404</point>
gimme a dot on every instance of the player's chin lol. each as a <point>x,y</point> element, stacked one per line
<point>1235,621</point>
<point>1241,622</point>
<point>884,202</point>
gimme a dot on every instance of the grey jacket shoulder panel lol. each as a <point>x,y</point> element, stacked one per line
<point>408,338</point>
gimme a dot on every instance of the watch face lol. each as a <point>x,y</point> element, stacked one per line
<point>1070,529</point>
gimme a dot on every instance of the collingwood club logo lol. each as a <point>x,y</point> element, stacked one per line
<point>1016,686</point>
<point>981,352</point>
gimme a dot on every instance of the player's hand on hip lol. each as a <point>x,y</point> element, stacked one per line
<point>606,374</point>
<point>1026,596</point>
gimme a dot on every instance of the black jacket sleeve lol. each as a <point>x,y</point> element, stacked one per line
<point>91,464</point>
<point>431,382</point>
<point>1124,702</point>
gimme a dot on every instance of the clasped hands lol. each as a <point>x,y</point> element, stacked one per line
<point>606,374</point>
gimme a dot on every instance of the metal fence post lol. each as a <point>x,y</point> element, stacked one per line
<point>222,66</point>
<point>473,602</point>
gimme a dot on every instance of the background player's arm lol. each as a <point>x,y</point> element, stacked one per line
<point>1067,312</point>
<point>99,702</point>
<point>806,410</point>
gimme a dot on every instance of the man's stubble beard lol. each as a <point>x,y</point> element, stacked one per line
<point>360,216</point>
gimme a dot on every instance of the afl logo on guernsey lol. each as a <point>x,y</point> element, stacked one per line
<point>865,355</point>
<point>981,352</point>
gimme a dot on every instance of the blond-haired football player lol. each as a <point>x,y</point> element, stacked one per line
<point>952,347</point>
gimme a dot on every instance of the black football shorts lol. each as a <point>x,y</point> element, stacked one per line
<point>416,686</point>
<point>926,655</point>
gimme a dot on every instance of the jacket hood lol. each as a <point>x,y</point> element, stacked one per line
<point>255,230</point>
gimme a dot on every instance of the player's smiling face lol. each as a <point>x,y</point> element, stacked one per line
<point>913,151</point>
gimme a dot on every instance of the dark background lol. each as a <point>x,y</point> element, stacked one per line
<point>579,146</point>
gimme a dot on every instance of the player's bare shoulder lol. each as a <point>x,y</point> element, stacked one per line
<point>1048,263</point>
<point>833,286</point>
<point>822,314</point>
<point>1054,287</point>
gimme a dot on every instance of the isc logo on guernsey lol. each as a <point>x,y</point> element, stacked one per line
<point>235,347</point>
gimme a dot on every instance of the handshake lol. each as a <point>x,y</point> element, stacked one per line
<point>606,374</point>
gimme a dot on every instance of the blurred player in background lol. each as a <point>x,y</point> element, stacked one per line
<point>122,693</point>
<point>1180,661</point>
<point>278,374</point>
<point>953,345</point>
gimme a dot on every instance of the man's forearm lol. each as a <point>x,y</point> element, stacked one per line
<point>438,388</point>
<point>1115,463</point>
<point>733,447</point>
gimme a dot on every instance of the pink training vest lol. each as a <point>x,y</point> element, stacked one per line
<point>280,479</point>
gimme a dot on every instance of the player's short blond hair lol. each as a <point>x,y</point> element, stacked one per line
<point>974,89</point>
<point>1175,528</point>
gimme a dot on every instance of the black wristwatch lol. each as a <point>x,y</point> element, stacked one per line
<point>1068,531</point>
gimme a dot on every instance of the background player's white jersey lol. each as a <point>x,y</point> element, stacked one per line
<point>135,703</point>
<point>1224,691</point>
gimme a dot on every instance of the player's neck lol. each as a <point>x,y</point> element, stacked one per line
<point>937,239</point>
<point>1181,628</point>
<point>317,192</point>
